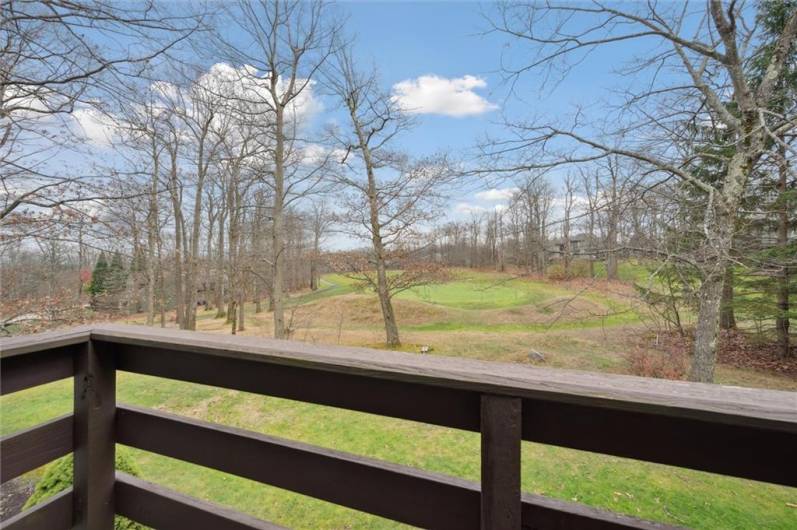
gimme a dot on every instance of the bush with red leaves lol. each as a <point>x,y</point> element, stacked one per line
<point>661,365</point>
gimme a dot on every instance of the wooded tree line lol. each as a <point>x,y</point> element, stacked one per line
<point>217,190</point>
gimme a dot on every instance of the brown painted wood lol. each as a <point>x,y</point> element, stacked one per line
<point>48,340</point>
<point>25,450</point>
<point>736,431</point>
<point>543,513</point>
<point>94,445</point>
<point>425,403</point>
<point>25,371</point>
<point>53,514</point>
<point>715,442</point>
<point>396,492</point>
<point>735,405</point>
<point>729,449</point>
<point>500,472</point>
<point>164,509</point>
<point>406,494</point>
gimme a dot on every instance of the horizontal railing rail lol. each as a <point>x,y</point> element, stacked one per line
<point>748,433</point>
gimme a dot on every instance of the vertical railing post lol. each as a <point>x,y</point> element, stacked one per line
<point>95,407</point>
<point>500,447</point>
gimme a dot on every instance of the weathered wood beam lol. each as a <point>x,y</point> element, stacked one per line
<point>500,471</point>
<point>94,443</point>
<point>26,450</point>
<point>164,509</point>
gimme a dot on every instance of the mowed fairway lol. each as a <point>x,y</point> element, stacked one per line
<point>486,316</point>
<point>484,291</point>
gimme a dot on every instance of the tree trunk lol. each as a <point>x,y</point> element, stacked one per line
<point>161,283</point>
<point>314,261</point>
<point>80,259</point>
<point>727,317</point>
<point>313,276</point>
<point>705,348</point>
<point>391,326</point>
<point>611,246</point>
<point>193,265</point>
<point>382,290</point>
<point>277,236</point>
<point>241,311</point>
<point>232,319</point>
<point>152,226</point>
<point>179,231</point>
<point>782,318</point>
<point>220,279</point>
<point>258,297</point>
<point>232,250</point>
<point>720,223</point>
<point>179,299</point>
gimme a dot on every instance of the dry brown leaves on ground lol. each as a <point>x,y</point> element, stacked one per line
<point>735,348</point>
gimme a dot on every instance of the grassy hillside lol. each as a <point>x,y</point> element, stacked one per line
<point>583,325</point>
<point>696,499</point>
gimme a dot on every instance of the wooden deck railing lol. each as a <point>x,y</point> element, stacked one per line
<point>733,431</point>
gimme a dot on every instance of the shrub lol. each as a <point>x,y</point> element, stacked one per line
<point>578,269</point>
<point>657,364</point>
<point>59,475</point>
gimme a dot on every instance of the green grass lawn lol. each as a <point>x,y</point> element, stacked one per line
<point>477,315</point>
<point>329,285</point>
<point>662,493</point>
<point>484,293</point>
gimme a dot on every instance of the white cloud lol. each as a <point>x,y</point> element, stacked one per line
<point>316,154</point>
<point>468,208</point>
<point>432,94</point>
<point>496,194</point>
<point>220,80</point>
<point>96,127</point>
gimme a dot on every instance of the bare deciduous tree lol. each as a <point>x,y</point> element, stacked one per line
<point>291,40</point>
<point>710,50</point>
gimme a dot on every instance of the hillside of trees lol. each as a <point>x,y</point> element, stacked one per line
<point>220,192</point>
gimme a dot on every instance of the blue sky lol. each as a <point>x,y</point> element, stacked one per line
<point>407,40</point>
<point>439,52</point>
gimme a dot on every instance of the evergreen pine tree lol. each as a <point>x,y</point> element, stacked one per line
<point>99,276</point>
<point>117,274</point>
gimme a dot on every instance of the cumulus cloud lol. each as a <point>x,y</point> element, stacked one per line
<point>496,194</point>
<point>221,81</point>
<point>467,208</point>
<point>316,154</point>
<point>432,94</point>
<point>95,127</point>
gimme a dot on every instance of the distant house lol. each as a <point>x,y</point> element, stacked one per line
<point>579,245</point>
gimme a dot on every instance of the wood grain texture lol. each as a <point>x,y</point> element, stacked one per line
<point>26,450</point>
<point>164,509</point>
<point>400,493</point>
<point>430,404</point>
<point>24,344</point>
<point>500,467</point>
<point>742,432</point>
<point>26,371</point>
<point>677,398</point>
<point>544,513</point>
<point>94,445</point>
<point>53,514</point>
<point>730,449</point>
<point>715,442</point>
<point>736,405</point>
<point>418,497</point>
